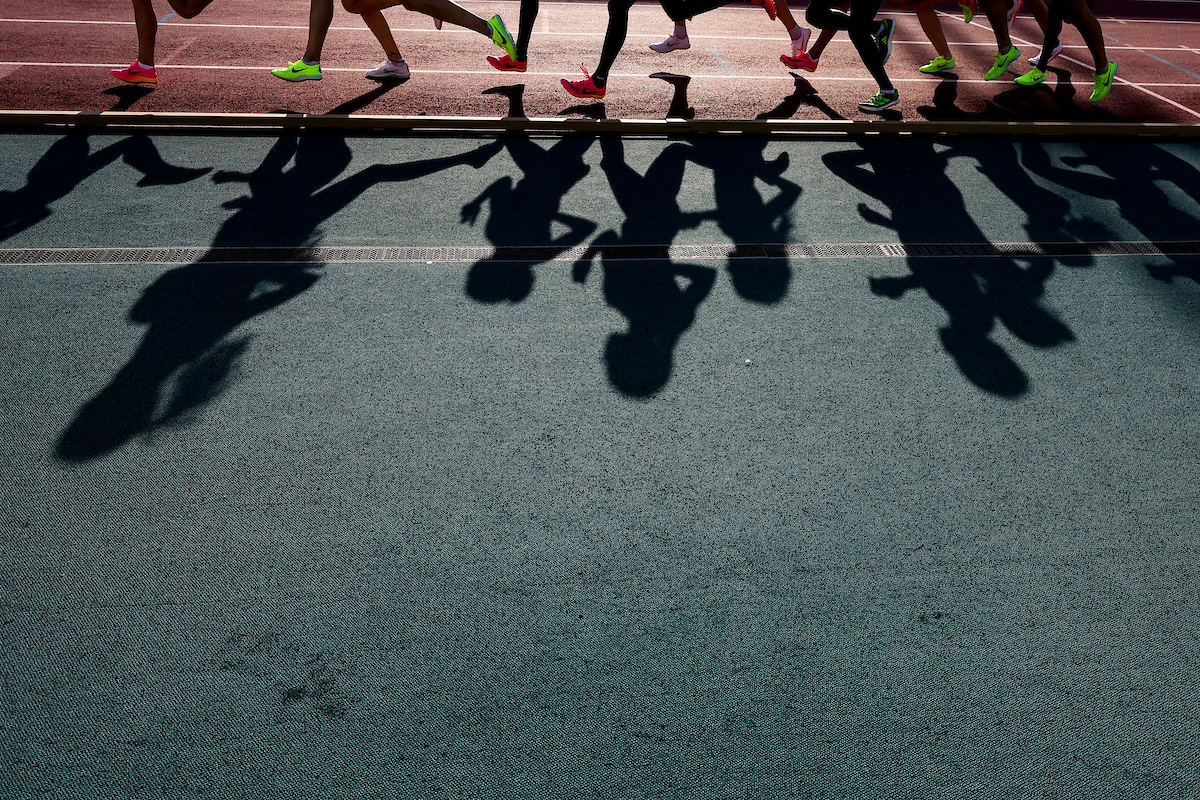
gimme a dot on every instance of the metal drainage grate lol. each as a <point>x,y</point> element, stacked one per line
<point>85,256</point>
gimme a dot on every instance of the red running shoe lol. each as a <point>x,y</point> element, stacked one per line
<point>769,5</point>
<point>135,73</point>
<point>801,60</point>
<point>584,88</point>
<point>506,64</point>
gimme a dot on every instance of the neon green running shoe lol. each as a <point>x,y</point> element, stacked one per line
<point>1104,82</point>
<point>1031,78</point>
<point>299,71</point>
<point>880,102</point>
<point>939,64</point>
<point>501,36</point>
<point>1002,62</point>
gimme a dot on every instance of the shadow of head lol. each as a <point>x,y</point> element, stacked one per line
<point>760,280</point>
<point>638,366</point>
<point>494,282</point>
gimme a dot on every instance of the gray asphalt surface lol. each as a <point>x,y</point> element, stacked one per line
<point>614,526</point>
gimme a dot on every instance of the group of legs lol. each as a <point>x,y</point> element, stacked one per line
<point>872,38</point>
<point>1000,14</point>
<point>143,70</point>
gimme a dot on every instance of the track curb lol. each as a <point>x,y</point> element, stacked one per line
<point>211,123</point>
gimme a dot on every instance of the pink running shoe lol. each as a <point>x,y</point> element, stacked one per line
<point>801,60</point>
<point>769,5</point>
<point>135,73</point>
<point>506,64</point>
<point>584,88</point>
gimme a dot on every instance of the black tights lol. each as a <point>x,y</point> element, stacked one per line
<point>618,26</point>
<point>529,12</point>
<point>860,23</point>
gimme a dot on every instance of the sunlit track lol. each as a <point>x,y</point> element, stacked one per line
<point>417,71</point>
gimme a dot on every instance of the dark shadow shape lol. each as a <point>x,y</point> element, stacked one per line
<point>127,94</point>
<point>589,110</point>
<point>1135,185</point>
<point>69,162</point>
<point>647,290</point>
<point>753,224</point>
<point>365,99</point>
<point>522,216</point>
<point>909,179</point>
<point>516,99</point>
<point>803,94</point>
<point>190,312</point>
<point>678,107</point>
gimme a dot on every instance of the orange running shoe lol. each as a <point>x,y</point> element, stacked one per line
<point>136,73</point>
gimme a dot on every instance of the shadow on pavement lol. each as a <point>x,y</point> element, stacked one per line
<point>974,292</point>
<point>522,215</point>
<point>190,312</point>
<point>68,163</point>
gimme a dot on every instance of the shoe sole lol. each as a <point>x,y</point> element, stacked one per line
<point>299,78</point>
<point>670,49</point>
<point>878,109</point>
<point>946,68</point>
<point>138,81</point>
<point>387,78</point>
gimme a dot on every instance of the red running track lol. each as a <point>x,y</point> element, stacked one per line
<point>57,57</point>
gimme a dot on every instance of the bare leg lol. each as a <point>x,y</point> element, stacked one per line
<point>438,9</point>
<point>825,38</point>
<point>932,25</point>
<point>1081,17</point>
<point>378,26</point>
<point>997,14</point>
<point>147,30</point>
<point>320,17</point>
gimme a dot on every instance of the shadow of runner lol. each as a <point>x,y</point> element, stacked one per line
<point>1138,188</point>
<point>522,216</point>
<point>68,163</point>
<point>658,297</point>
<point>758,266</point>
<point>191,311</point>
<point>974,292</point>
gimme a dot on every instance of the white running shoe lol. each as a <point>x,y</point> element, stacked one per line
<point>387,71</point>
<point>1053,55</point>
<point>671,43</point>
<point>800,43</point>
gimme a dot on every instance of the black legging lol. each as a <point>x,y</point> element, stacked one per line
<point>529,12</point>
<point>860,23</point>
<point>618,26</point>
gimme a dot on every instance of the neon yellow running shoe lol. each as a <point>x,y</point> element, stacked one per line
<point>969,9</point>
<point>299,71</point>
<point>1031,78</point>
<point>1104,82</point>
<point>939,64</point>
<point>1002,62</point>
<point>501,36</point>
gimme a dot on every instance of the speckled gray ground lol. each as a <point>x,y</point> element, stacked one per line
<point>818,527</point>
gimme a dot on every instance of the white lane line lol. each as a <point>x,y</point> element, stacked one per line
<point>621,75</point>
